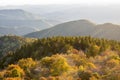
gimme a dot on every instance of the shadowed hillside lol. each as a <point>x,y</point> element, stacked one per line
<point>11,43</point>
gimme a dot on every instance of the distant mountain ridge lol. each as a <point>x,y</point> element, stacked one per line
<point>20,22</point>
<point>17,14</point>
<point>80,28</point>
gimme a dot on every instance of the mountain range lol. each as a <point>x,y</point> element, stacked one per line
<point>20,22</point>
<point>80,28</point>
<point>62,13</point>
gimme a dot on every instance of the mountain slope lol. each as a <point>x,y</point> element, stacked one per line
<point>107,30</point>
<point>20,22</point>
<point>80,28</point>
<point>72,28</point>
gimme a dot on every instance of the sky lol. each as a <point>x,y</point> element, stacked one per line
<point>45,2</point>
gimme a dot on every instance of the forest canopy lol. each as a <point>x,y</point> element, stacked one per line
<point>59,58</point>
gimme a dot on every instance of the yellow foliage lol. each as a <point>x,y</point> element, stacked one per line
<point>81,68</point>
<point>14,71</point>
<point>42,78</point>
<point>1,74</point>
<point>93,78</point>
<point>12,79</point>
<point>26,63</point>
<point>57,64</point>
<point>112,62</point>
<point>91,65</point>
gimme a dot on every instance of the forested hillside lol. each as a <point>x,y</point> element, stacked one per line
<point>63,58</point>
<point>11,43</point>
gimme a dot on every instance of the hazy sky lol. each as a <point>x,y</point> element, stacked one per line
<point>42,2</point>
